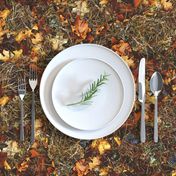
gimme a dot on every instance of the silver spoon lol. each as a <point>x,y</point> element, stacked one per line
<point>156,84</point>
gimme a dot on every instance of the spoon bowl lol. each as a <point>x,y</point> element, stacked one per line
<point>156,83</point>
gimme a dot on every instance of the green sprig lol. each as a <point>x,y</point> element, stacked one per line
<point>91,92</point>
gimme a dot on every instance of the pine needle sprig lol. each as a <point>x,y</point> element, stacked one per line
<point>91,92</point>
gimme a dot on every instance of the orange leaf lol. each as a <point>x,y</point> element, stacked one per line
<point>81,28</point>
<point>81,167</point>
<point>122,48</point>
<point>136,3</point>
<point>4,100</point>
<point>34,153</point>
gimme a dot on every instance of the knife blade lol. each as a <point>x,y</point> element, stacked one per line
<point>141,98</point>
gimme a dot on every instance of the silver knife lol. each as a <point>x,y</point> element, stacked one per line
<point>141,98</point>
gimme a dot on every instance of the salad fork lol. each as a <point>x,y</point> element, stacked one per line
<point>21,92</point>
<point>33,84</point>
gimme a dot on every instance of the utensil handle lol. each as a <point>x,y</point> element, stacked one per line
<point>33,118</point>
<point>21,121</point>
<point>156,120</point>
<point>143,132</point>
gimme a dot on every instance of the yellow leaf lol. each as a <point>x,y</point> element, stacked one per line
<point>129,61</point>
<point>104,171</point>
<point>23,35</point>
<point>118,141</point>
<point>38,123</point>
<point>174,173</point>
<point>4,13</point>
<point>4,100</point>
<point>102,145</point>
<point>95,162</point>
<point>37,38</point>
<point>167,5</point>
<point>7,166</point>
<point>7,55</point>
<point>103,2</point>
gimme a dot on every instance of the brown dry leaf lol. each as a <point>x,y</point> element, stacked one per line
<point>134,121</point>
<point>81,167</point>
<point>102,145</point>
<point>3,157</point>
<point>4,100</point>
<point>101,30</point>
<point>167,5</point>
<point>103,2</point>
<point>95,162</point>
<point>118,140</point>
<point>80,28</point>
<point>7,55</point>
<point>7,166</point>
<point>90,38</point>
<point>23,166</point>
<point>122,48</point>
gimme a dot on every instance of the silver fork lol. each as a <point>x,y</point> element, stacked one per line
<point>33,84</point>
<point>21,92</point>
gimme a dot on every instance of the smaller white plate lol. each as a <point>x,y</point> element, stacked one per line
<point>75,79</point>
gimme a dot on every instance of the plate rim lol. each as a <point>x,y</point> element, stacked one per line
<point>51,118</point>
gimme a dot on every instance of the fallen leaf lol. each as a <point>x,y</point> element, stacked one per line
<point>136,3</point>
<point>118,140</point>
<point>122,48</point>
<point>4,100</point>
<point>173,173</point>
<point>81,8</point>
<point>34,153</point>
<point>129,61</point>
<point>81,167</point>
<point>102,145</point>
<point>90,38</point>
<point>104,171</point>
<point>103,2</point>
<point>3,157</point>
<point>7,55</point>
<point>7,166</point>
<point>12,148</point>
<point>95,162</point>
<point>167,5</point>
<point>23,166</point>
<point>101,30</point>
<point>22,35</point>
<point>4,13</point>
<point>80,28</point>
<point>37,38</point>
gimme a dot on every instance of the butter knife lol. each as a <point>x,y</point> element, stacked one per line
<point>141,98</point>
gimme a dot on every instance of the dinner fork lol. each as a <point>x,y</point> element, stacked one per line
<point>21,92</point>
<point>33,84</point>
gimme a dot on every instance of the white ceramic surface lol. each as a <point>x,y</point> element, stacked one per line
<point>87,51</point>
<point>73,80</point>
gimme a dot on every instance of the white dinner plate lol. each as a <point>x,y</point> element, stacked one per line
<point>84,51</point>
<point>74,80</point>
